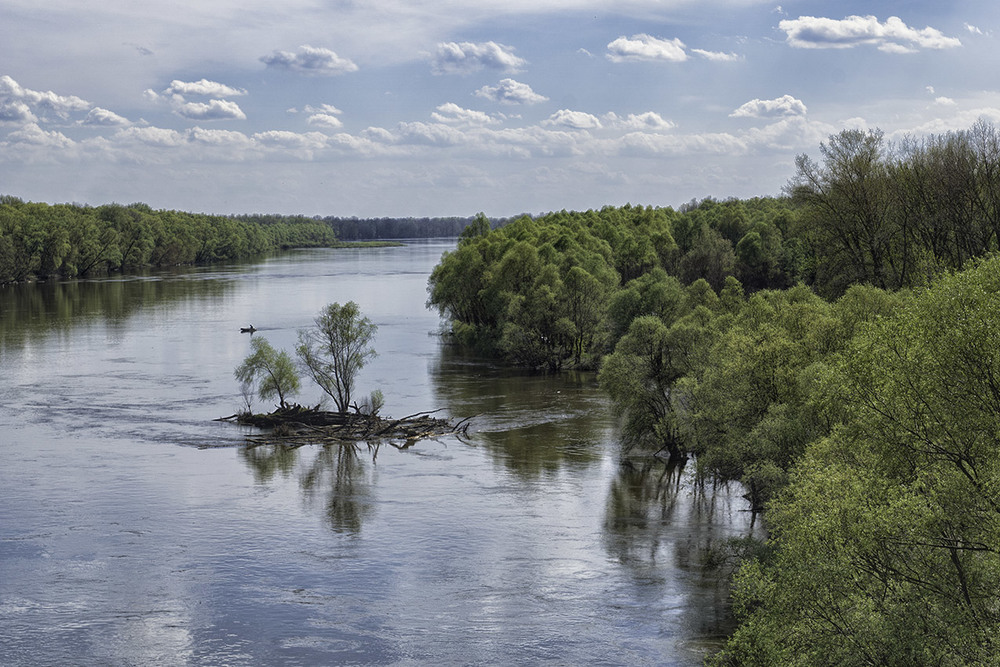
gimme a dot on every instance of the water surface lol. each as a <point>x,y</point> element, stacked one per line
<point>134,530</point>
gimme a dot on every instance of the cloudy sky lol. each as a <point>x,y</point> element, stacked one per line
<point>449,107</point>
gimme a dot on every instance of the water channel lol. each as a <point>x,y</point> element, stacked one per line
<point>135,530</point>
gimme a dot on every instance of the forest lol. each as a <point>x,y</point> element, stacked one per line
<point>835,350</point>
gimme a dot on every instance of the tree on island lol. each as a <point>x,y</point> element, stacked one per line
<point>271,371</point>
<point>337,349</point>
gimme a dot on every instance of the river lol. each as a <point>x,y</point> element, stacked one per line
<point>135,530</point>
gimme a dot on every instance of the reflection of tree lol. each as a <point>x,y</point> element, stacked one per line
<point>533,423</point>
<point>267,460</point>
<point>37,309</point>
<point>337,474</point>
<point>664,526</point>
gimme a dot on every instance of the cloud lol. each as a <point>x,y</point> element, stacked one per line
<point>945,101</point>
<point>509,91</point>
<point>786,105</point>
<point>323,108</point>
<point>645,47</point>
<point>203,87</point>
<point>454,114</point>
<point>466,57</point>
<point>576,120</point>
<point>973,29</point>
<point>644,122</point>
<point>311,60</point>
<point>212,110</point>
<point>893,36</point>
<point>16,112</point>
<point>33,135</point>
<point>325,120</point>
<point>99,117</point>
<point>717,56</point>
<point>11,91</point>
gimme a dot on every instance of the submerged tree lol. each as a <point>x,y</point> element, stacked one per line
<point>337,349</point>
<point>268,372</point>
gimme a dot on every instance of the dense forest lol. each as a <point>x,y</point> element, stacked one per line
<point>836,350</point>
<point>68,240</point>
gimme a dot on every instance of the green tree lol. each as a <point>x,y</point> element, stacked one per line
<point>269,372</point>
<point>888,536</point>
<point>337,349</point>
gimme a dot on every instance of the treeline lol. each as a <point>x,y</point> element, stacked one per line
<point>379,229</point>
<point>67,240</point>
<point>825,350</point>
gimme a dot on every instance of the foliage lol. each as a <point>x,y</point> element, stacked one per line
<point>336,350</point>
<point>888,537</point>
<point>267,372</point>
<point>68,241</point>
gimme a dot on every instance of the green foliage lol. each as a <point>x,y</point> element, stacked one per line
<point>887,536</point>
<point>67,241</point>
<point>335,351</point>
<point>267,372</point>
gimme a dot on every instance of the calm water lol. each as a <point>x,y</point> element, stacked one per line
<point>134,530</point>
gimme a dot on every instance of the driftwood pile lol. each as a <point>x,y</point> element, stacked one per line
<point>295,425</point>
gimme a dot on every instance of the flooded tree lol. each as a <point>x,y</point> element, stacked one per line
<point>337,349</point>
<point>268,372</point>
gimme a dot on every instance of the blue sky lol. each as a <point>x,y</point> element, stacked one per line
<point>448,107</point>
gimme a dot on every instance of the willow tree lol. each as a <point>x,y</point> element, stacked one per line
<point>267,372</point>
<point>337,349</point>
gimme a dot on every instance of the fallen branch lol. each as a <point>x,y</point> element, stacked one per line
<point>295,426</point>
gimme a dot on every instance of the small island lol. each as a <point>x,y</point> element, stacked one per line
<point>331,353</point>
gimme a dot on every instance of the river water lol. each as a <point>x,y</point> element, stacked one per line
<point>135,530</point>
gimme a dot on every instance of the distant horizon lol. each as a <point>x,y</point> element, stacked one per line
<point>447,108</point>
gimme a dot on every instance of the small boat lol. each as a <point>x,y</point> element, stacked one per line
<point>250,329</point>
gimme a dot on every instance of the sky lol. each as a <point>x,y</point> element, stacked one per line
<point>401,108</point>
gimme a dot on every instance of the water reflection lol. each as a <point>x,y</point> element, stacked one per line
<point>535,424</point>
<point>659,521</point>
<point>32,309</point>
<point>337,477</point>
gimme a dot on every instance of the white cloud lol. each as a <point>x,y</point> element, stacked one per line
<point>973,29</point>
<point>717,56</point>
<point>509,91</point>
<point>212,110</point>
<point>644,122</point>
<point>325,120</point>
<point>323,108</point>
<point>452,113</point>
<point>220,138</point>
<point>646,47</point>
<point>894,36</point>
<point>103,118</point>
<point>466,57</point>
<point>33,135</point>
<point>152,136</point>
<point>16,112</point>
<point>786,105</point>
<point>11,91</point>
<point>203,87</point>
<point>576,120</point>
<point>945,101</point>
<point>310,60</point>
